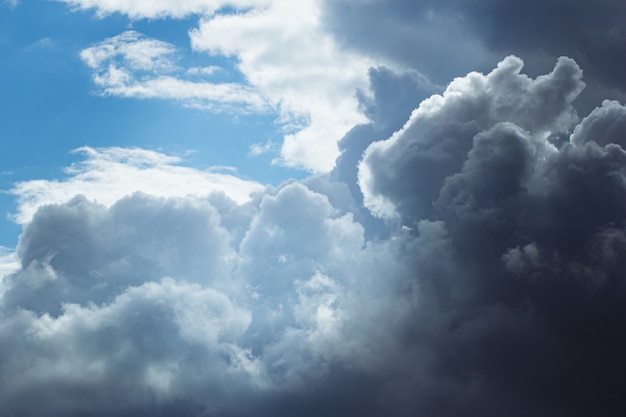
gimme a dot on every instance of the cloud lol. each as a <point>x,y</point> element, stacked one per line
<point>445,39</point>
<point>209,70</point>
<point>529,231</point>
<point>156,292</point>
<point>313,85</point>
<point>498,288</point>
<point>146,347</point>
<point>8,264</point>
<point>435,142</point>
<point>440,39</point>
<point>257,149</point>
<point>137,9</point>
<point>131,65</point>
<point>108,174</point>
<point>392,96</point>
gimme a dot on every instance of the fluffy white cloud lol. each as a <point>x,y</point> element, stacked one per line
<point>108,174</point>
<point>284,51</point>
<point>149,345</point>
<point>265,313</point>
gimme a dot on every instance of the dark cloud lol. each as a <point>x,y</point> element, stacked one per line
<point>393,95</point>
<point>496,289</point>
<point>449,38</point>
<point>529,310</point>
<point>435,142</point>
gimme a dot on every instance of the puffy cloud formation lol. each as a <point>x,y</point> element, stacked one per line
<point>312,86</point>
<point>435,142</point>
<point>496,289</point>
<point>108,174</point>
<point>332,44</point>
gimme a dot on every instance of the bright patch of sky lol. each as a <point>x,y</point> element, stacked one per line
<point>72,78</point>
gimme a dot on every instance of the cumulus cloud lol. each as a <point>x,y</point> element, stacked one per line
<point>108,174</point>
<point>498,290</point>
<point>533,230</point>
<point>158,292</point>
<point>313,85</point>
<point>435,142</point>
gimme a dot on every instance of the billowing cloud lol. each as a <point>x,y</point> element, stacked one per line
<point>531,294</point>
<point>496,288</point>
<point>108,174</point>
<point>262,317</point>
<point>404,175</point>
<point>313,85</point>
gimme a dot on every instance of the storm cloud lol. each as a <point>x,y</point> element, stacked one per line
<point>445,39</point>
<point>496,288</point>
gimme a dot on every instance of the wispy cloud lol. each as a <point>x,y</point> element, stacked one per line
<point>12,3</point>
<point>257,149</point>
<point>131,65</point>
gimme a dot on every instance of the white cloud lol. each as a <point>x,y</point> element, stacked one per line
<point>131,65</point>
<point>257,149</point>
<point>284,51</point>
<point>258,318</point>
<point>9,263</point>
<point>210,70</point>
<point>138,9</point>
<point>108,174</point>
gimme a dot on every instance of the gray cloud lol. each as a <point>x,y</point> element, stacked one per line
<point>434,143</point>
<point>496,289</point>
<point>528,309</point>
<point>449,38</point>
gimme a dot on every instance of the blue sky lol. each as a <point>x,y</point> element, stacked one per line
<point>312,208</point>
<point>51,107</point>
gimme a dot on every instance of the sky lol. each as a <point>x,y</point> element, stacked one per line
<point>245,208</point>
